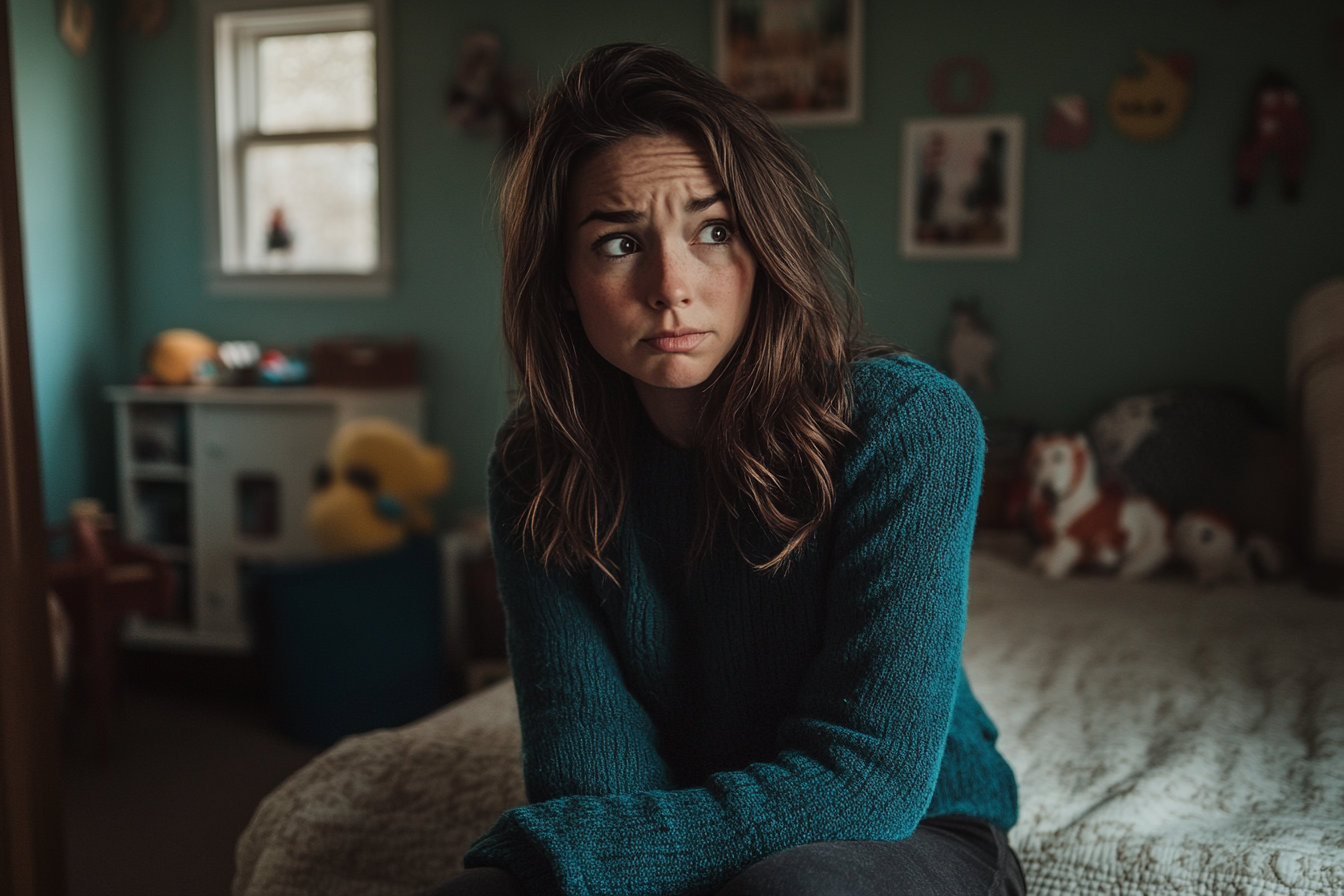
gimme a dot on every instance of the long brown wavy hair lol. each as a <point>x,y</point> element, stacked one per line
<point>777,408</point>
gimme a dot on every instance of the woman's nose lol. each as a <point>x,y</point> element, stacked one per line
<point>670,278</point>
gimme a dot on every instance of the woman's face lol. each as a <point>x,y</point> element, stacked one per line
<point>660,278</point>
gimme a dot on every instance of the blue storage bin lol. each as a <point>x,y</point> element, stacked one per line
<point>351,645</point>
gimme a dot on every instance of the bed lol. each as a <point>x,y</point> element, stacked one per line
<point>1167,740</point>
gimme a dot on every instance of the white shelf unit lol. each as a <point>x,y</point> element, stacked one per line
<point>214,477</point>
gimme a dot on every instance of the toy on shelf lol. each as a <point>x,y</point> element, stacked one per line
<point>1083,524</point>
<point>180,358</point>
<point>375,488</point>
<point>1207,542</point>
<point>187,358</point>
<point>1275,126</point>
<point>278,368</point>
<point>240,358</point>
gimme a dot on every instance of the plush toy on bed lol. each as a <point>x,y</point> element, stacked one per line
<point>1207,542</point>
<point>374,488</point>
<point>1205,449</point>
<point>1082,523</point>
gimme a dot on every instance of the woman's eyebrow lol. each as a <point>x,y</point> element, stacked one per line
<point>621,217</point>
<point>693,207</point>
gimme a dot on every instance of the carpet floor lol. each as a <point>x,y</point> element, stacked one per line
<point>161,814</point>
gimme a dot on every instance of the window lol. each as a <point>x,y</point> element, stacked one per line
<point>300,192</point>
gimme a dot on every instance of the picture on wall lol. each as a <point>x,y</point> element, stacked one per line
<point>800,60</point>
<point>961,187</point>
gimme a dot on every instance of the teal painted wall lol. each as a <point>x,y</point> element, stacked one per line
<point>74,323</point>
<point>1135,272</point>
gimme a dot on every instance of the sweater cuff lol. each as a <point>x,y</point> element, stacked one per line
<point>507,845</point>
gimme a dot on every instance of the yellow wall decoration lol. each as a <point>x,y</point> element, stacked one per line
<point>1150,106</point>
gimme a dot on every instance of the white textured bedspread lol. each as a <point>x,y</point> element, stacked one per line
<point>1167,740</point>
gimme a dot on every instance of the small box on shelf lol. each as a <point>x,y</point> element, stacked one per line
<point>366,363</point>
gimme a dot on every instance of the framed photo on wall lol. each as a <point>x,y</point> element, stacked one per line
<point>961,187</point>
<point>800,60</point>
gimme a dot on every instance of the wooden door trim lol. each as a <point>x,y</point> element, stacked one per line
<point>32,860</point>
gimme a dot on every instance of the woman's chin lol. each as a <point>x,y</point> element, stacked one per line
<point>673,373</point>
<point>678,382</point>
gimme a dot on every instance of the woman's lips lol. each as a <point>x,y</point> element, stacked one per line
<point>675,342</point>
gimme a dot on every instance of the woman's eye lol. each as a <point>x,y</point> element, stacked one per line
<point>715,233</point>
<point>616,246</point>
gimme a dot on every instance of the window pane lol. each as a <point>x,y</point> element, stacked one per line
<point>311,207</point>
<point>316,82</point>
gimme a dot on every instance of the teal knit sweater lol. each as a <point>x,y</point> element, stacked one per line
<point>688,723</point>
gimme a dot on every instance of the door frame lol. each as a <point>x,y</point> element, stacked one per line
<point>32,848</point>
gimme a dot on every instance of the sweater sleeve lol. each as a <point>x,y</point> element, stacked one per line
<point>583,732</point>
<point>860,758</point>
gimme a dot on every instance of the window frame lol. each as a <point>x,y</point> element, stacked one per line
<point>225,124</point>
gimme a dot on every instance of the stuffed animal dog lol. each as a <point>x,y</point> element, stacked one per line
<point>1085,524</point>
<point>375,488</point>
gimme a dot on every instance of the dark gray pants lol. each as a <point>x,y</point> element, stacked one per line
<point>950,855</point>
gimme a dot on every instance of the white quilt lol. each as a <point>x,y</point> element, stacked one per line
<point>1167,740</point>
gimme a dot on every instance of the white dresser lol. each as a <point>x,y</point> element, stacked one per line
<point>215,477</point>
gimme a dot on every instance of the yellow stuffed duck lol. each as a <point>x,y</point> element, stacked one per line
<point>375,488</point>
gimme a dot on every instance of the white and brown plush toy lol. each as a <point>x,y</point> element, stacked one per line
<point>1207,542</point>
<point>1084,524</point>
<point>375,488</point>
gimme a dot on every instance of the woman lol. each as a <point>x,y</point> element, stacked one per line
<point>732,542</point>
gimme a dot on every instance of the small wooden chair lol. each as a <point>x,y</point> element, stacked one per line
<point>101,581</point>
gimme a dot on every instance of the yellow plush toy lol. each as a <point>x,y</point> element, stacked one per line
<point>180,357</point>
<point>375,488</point>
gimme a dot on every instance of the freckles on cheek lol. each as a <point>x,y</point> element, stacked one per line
<point>743,281</point>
